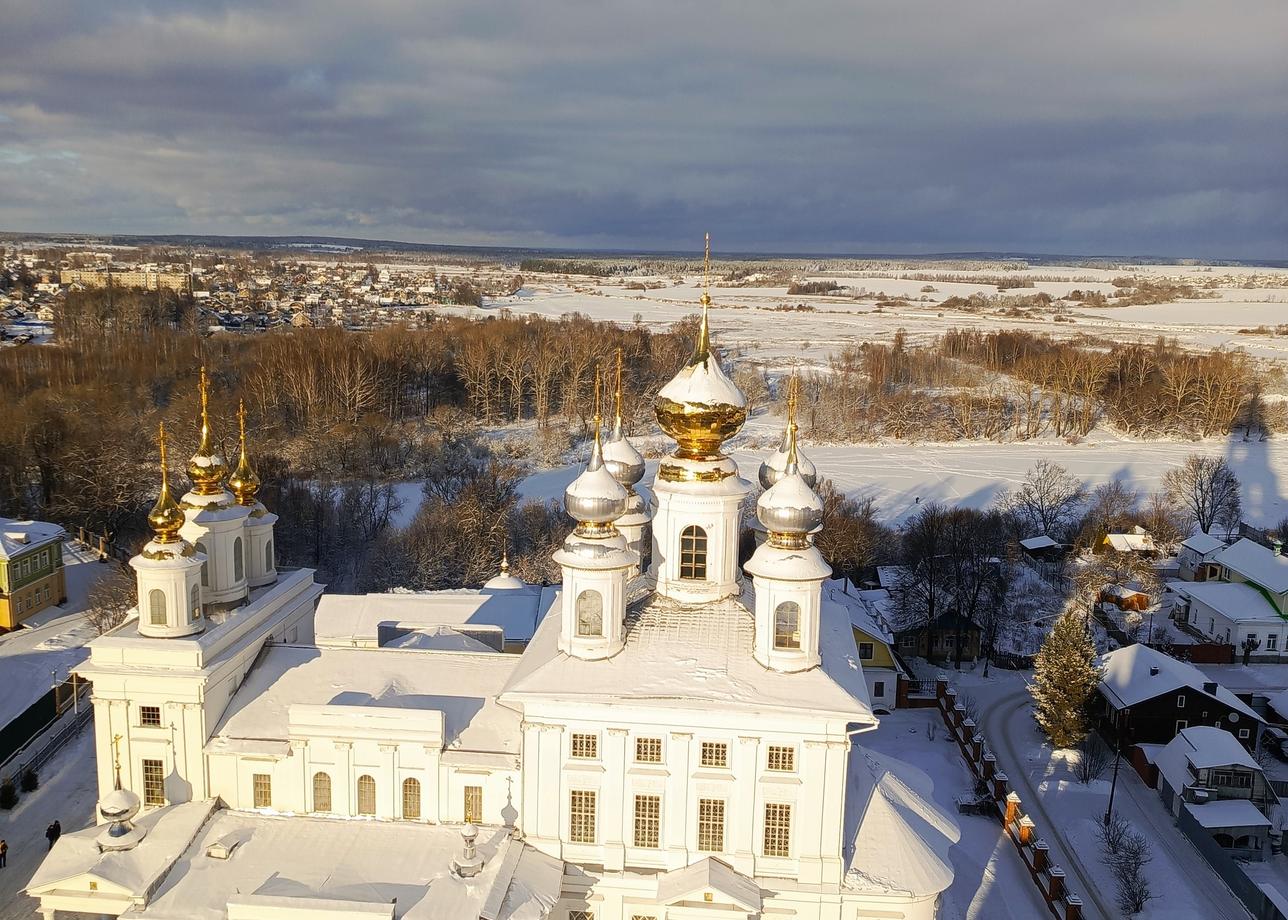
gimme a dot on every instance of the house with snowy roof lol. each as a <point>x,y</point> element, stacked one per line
<point>31,570</point>
<point>1209,780</point>
<point>1137,540</point>
<point>1150,697</point>
<point>676,739</point>
<point>1196,560</point>
<point>1245,605</point>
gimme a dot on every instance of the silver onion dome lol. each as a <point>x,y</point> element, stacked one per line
<point>595,497</point>
<point>790,506</point>
<point>774,466</point>
<point>621,459</point>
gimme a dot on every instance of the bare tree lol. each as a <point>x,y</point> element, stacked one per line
<point>110,598</point>
<point>1048,499</point>
<point>1208,488</point>
<point>1093,758</point>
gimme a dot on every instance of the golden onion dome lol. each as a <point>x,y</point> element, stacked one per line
<point>207,468</point>
<point>700,408</point>
<point>244,482</point>
<point>166,517</point>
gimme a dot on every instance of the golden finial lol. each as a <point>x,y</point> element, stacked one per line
<point>793,393</point>
<point>703,348</point>
<point>505,561</point>
<point>617,396</point>
<point>165,518</point>
<point>116,757</point>
<point>599,419</point>
<point>206,469</point>
<point>244,482</point>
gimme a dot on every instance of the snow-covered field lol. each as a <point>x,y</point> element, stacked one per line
<point>745,318</point>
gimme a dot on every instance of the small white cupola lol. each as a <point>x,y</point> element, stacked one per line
<point>595,559</point>
<point>503,581</point>
<point>788,571</point>
<point>168,569</point>
<point>117,809</point>
<point>626,465</point>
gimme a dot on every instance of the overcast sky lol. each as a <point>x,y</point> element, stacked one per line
<point>1141,127</point>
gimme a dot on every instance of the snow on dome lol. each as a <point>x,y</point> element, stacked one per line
<point>119,804</point>
<point>703,383</point>
<point>622,460</point>
<point>595,497</point>
<point>774,467</point>
<point>503,582</point>
<point>790,506</point>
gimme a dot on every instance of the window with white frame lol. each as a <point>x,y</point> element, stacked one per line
<point>778,829</point>
<point>411,799</point>
<point>581,815</point>
<point>585,746</point>
<point>648,750</point>
<point>648,821</point>
<point>714,754</point>
<point>156,607</point>
<point>693,553</point>
<point>865,651</point>
<point>787,625</point>
<point>150,715</point>
<point>239,561</point>
<point>590,613</point>
<point>581,915</point>
<point>321,792</point>
<point>1180,701</point>
<point>474,804</point>
<point>366,795</point>
<point>781,758</point>
<point>711,825</point>
<point>153,782</point>
<point>878,689</point>
<point>262,783</point>
<point>1272,642</point>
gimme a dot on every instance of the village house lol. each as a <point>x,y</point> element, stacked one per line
<point>1245,606</point>
<point>31,570</point>
<point>1150,697</point>
<point>1196,560</point>
<point>1208,780</point>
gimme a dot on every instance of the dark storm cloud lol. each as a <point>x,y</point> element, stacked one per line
<point>1153,127</point>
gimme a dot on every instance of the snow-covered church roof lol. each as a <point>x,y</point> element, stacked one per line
<point>898,839</point>
<point>358,619</point>
<point>461,685</point>
<point>679,655</point>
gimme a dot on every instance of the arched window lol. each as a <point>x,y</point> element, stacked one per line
<point>195,603</point>
<point>1225,841</point>
<point>411,799</point>
<point>239,564</point>
<point>205,564</point>
<point>693,553</point>
<point>590,613</point>
<point>156,607</point>
<point>366,795</point>
<point>268,556</point>
<point>787,625</point>
<point>321,792</point>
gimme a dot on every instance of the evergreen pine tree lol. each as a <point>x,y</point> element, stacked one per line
<point>1065,676</point>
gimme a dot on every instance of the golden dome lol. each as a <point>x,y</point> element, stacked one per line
<point>244,482</point>
<point>700,408</point>
<point>206,469</point>
<point>165,518</point>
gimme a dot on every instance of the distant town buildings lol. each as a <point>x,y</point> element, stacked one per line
<point>149,279</point>
<point>31,570</point>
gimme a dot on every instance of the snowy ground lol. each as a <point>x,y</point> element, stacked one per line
<point>745,317</point>
<point>1067,812</point>
<point>901,476</point>
<point>991,881</point>
<point>33,660</point>
<point>68,790</point>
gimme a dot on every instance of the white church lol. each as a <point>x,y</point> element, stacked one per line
<point>661,737</point>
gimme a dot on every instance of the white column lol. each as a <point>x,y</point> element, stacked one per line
<point>528,822</point>
<point>394,802</point>
<point>744,804</point>
<point>434,796</point>
<point>808,834</point>
<point>552,801</point>
<point>833,868</point>
<point>612,793</point>
<point>677,800</point>
<point>342,789</point>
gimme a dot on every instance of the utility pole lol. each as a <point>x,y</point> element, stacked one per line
<point>1118,756</point>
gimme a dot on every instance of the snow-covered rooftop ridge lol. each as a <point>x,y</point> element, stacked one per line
<point>1040,542</point>
<point>1228,813</point>
<point>306,862</point>
<point>683,655</point>
<point>1131,542</point>
<point>1127,677</point>
<point>168,833</point>
<point>22,536</point>
<point>1256,563</point>
<point>347,619</point>
<point>462,686</point>
<point>709,873</point>
<point>1206,746</point>
<point>865,608</point>
<point>1203,543</point>
<point>898,838</point>
<point>1233,600</point>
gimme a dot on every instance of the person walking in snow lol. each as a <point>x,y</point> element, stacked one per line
<point>58,829</point>
<point>50,836</point>
<point>4,851</point>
